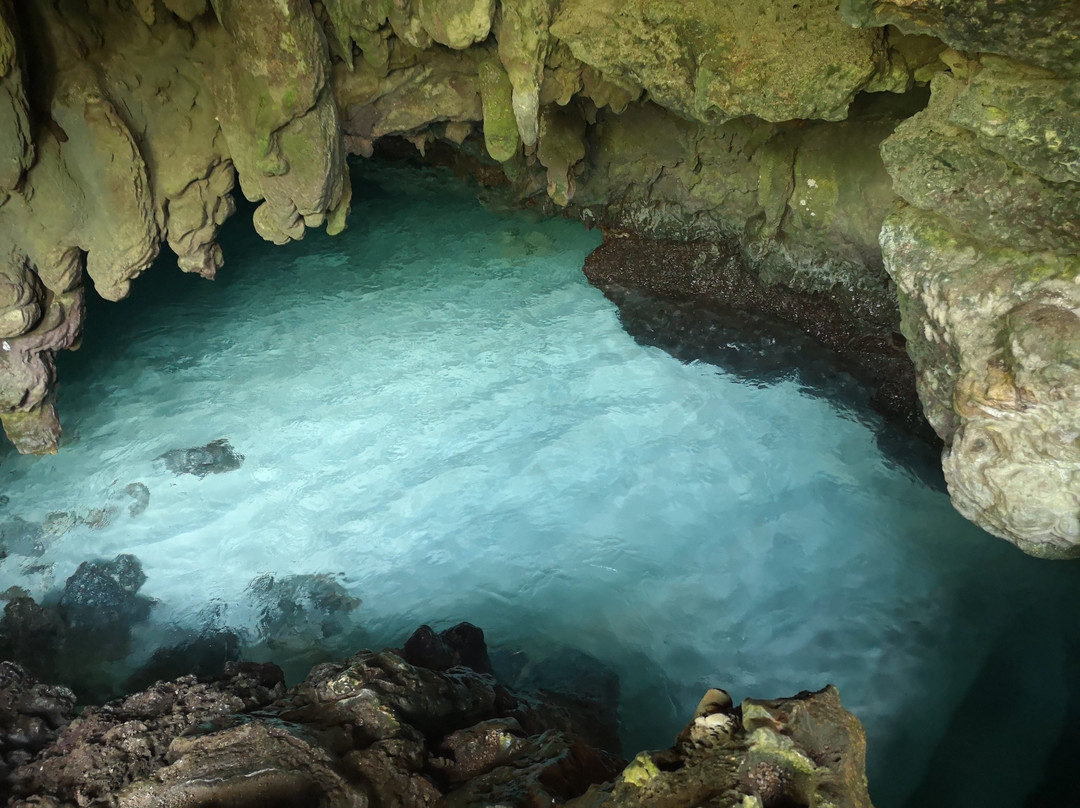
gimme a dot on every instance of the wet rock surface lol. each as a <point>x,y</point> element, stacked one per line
<point>700,301</point>
<point>802,751</point>
<point>376,730</point>
<point>73,635</point>
<point>32,715</point>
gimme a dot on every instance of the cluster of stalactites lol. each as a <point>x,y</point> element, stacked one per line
<point>126,125</point>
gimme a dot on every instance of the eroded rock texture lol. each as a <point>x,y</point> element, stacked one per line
<point>756,126</point>
<point>141,116</point>
<point>376,730</point>
<point>986,259</point>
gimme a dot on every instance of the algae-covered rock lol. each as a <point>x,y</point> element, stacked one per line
<point>456,23</point>
<point>716,61</point>
<point>16,142</point>
<point>500,121</point>
<point>1038,32</point>
<point>561,148</point>
<point>806,750</point>
<point>435,86</point>
<point>937,164</point>
<point>806,201</point>
<point>1027,115</point>
<point>524,43</point>
<point>277,113</point>
<point>995,336</point>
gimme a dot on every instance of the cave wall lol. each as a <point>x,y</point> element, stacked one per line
<point>796,130</point>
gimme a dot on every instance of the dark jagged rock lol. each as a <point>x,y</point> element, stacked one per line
<point>31,716</point>
<point>462,645</point>
<point>202,655</point>
<point>101,596</point>
<point>375,730</point>
<point>569,688</point>
<point>699,300</point>
<point>216,457</point>
<point>74,637</point>
<point>106,748</point>
<point>32,635</point>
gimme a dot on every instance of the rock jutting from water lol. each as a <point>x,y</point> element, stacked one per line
<point>795,132</point>
<point>377,730</point>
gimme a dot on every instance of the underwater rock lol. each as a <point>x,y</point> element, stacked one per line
<point>73,638</point>
<point>216,457</point>
<point>569,689</point>
<point>100,604</point>
<point>300,611</point>
<point>700,301</point>
<point>141,496</point>
<point>375,730</point>
<point>32,636</point>
<point>21,537</point>
<point>461,645</point>
<point>202,655</point>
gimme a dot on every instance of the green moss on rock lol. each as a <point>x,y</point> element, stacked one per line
<point>500,124</point>
<point>716,61</point>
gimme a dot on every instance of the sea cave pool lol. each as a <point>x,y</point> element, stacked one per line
<point>434,418</point>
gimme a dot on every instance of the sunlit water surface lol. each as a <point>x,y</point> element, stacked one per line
<point>436,409</point>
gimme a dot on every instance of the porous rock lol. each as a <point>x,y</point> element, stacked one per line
<point>375,730</point>
<point>806,750</point>
<point>985,260</point>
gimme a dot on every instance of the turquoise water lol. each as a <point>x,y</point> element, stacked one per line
<point>440,416</point>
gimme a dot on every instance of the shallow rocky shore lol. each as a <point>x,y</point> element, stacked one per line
<point>425,725</point>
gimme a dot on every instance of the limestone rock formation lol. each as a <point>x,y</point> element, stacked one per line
<point>143,119</point>
<point>1038,32</point>
<point>986,259</point>
<point>128,124</point>
<point>153,111</point>
<point>717,61</point>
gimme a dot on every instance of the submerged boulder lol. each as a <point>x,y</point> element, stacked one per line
<point>216,457</point>
<point>461,645</point>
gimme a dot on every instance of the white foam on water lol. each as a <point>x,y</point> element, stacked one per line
<point>437,408</point>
